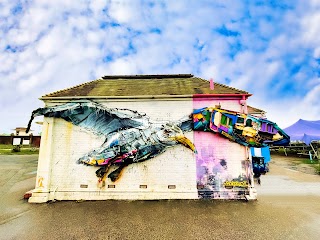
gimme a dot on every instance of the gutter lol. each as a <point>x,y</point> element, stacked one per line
<point>242,95</point>
<point>233,95</point>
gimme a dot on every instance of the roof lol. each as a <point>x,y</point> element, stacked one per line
<point>253,110</point>
<point>144,85</point>
<point>20,128</point>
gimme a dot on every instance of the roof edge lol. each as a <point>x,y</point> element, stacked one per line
<point>224,95</point>
<point>65,89</point>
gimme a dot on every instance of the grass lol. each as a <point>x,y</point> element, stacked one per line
<point>5,146</point>
<point>6,149</point>
<point>315,163</point>
<point>299,159</point>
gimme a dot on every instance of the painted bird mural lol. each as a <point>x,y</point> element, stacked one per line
<point>132,137</point>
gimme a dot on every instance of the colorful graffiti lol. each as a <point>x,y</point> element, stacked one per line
<point>131,137</point>
<point>220,173</point>
<point>236,183</point>
<point>244,129</point>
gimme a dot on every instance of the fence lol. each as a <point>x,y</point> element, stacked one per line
<point>31,140</point>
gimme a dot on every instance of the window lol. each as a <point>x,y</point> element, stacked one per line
<point>240,120</point>
<point>249,123</point>
<point>224,120</point>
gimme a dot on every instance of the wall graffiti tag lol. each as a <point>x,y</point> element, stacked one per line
<point>40,182</point>
<point>233,184</point>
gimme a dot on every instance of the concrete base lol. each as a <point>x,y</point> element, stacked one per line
<point>42,197</point>
<point>39,197</point>
<point>110,195</point>
<point>252,194</point>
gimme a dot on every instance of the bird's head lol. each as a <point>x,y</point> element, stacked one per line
<point>172,133</point>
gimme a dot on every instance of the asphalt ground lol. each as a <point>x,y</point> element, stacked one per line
<point>288,207</point>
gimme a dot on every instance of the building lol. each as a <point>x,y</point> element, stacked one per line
<point>21,131</point>
<point>256,112</point>
<point>220,169</point>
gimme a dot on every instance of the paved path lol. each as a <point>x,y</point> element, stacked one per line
<point>280,213</point>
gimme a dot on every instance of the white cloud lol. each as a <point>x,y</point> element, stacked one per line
<point>316,52</point>
<point>121,11</point>
<point>58,44</point>
<point>311,27</point>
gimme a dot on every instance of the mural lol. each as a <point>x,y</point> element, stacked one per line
<point>131,137</point>
<point>221,172</point>
<point>244,129</point>
<point>225,172</point>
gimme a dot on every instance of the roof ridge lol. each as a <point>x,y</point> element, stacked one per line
<point>76,86</point>
<point>147,76</point>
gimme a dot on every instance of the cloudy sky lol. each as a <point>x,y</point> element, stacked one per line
<point>270,48</point>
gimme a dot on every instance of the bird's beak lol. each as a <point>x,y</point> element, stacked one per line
<point>186,142</point>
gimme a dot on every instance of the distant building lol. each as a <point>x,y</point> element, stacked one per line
<point>21,131</point>
<point>256,112</point>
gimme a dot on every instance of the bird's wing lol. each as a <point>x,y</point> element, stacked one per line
<point>94,116</point>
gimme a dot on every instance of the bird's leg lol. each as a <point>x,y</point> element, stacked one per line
<point>101,173</point>
<point>123,161</point>
<point>116,174</point>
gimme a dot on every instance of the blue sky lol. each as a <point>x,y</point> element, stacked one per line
<point>268,48</point>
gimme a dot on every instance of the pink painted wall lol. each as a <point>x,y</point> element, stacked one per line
<point>219,161</point>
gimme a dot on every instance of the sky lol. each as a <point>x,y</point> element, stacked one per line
<point>270,48</point>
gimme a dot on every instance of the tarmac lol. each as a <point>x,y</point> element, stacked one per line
<point>288,207</point>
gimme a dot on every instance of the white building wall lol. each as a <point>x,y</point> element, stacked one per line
<point>62,178</point>
<point>62,144</point>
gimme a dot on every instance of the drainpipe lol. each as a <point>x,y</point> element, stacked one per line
<point>243,103</point>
